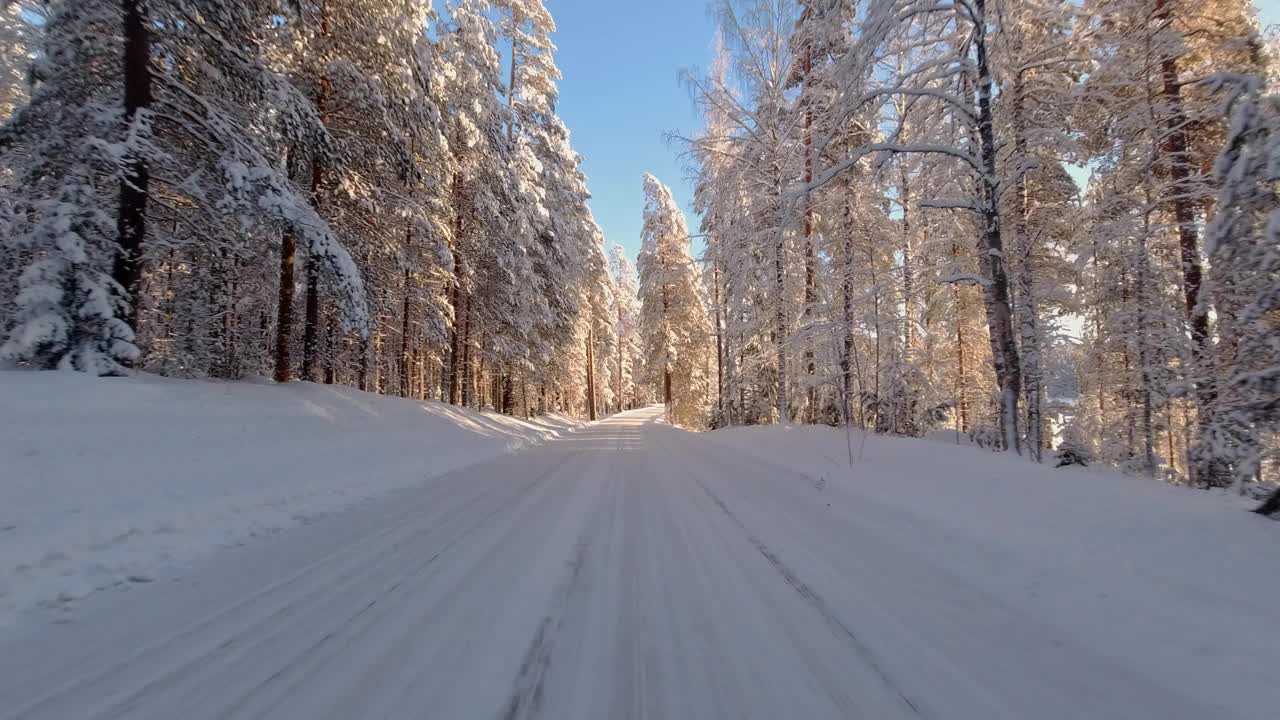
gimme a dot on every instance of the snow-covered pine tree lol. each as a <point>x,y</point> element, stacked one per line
<point>1155,137</point>
<point>755,133</point>
<point>626,316</point>
<point>20,28</point>
<point>819,39</point>
<point>440,219</point>
<point>476,133</point>
<point>64,147</point>
<point>1243,239</point>
<point>673,318</point>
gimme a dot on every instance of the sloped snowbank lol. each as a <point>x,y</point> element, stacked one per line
<point>1183,582</point>
<point>104,480</point>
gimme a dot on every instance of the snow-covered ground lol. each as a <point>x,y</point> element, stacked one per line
<point>631,570</point>
<point>1178,583</point>
<point>105,480</point>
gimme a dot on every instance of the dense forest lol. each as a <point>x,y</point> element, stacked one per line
<point>1050,227</point>
<point>345,191</point>
<point>1041,224</point>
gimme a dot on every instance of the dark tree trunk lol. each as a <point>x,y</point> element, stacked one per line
<point>330,359</point>
<point>1004,349</point>
<point>508,395</point>
<point>466,352</point>
<point>362,375</point>
<point>810,260</point>
<point>284,308</point>
<point>591,378</point>
<point>131,224</point>
<point>311,322</point>
<point>1177,147</point>
<point>846,291</point>
<point>621,383</point>
<point>961,387</point>
<point>455,347</point>
<point>1209,471</point>
<point>311,316</point>
<point>406,386</point>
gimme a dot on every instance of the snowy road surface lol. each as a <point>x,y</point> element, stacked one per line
<point>628,571</point>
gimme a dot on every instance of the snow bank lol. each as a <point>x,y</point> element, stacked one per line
<point>104,480</point>
<point>1182,581</point>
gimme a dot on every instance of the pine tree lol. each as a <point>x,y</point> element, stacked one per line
<point>1243,239</point>
<point>626,314</point>
<point>69,312</point>
<point>673,320</point>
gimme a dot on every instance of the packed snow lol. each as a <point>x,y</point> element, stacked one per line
<point>104,481</point>
<point>624,569</point>
<point>1176,582</point>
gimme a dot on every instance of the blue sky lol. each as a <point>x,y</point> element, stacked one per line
<point>621,93</point>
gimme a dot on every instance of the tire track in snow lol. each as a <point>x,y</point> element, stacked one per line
<point>526,696</point>
<point>361,619</point>
<point>816,602</point>
<point>526,699</point>
<point>310,661</point>
<point>355,563</point>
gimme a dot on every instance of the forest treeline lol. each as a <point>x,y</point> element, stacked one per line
<point>369,192</point>
<point>1046,225</point>
<point>1043,224</point>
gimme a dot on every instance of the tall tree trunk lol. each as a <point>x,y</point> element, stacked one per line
<point>455,347</point>
<point>1032,385</point>
<point>284,308</point>
<point>458,298</point>
<point>1177,148</point>
<point>1004,349</point>
<point>477,374</point>
<point>1209,471</point>
<point>719,320</point>
<point>810,258</point>
<point>878,406</point>
<point>311,321</point>
<point>466,351</point>
<point>666,360</point>
<point>405,385</point>
<point>331,357</point>
<point>508,394</point>
<point>621,353</point>
<point>591,377</point>
<point>311,315</point>
<point>131,224</point>
<point>961,386</point>
<point>780,319</point>
<point>1027,305</point>
<point>846,291</point>
<point>1142,271</point>
<point>362,373</point>
<point>908,280</point>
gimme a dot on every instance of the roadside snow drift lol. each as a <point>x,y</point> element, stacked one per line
<point>104,480</point>
<point>1175,581</point>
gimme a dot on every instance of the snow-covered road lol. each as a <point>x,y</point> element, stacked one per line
<point>626,571</point>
